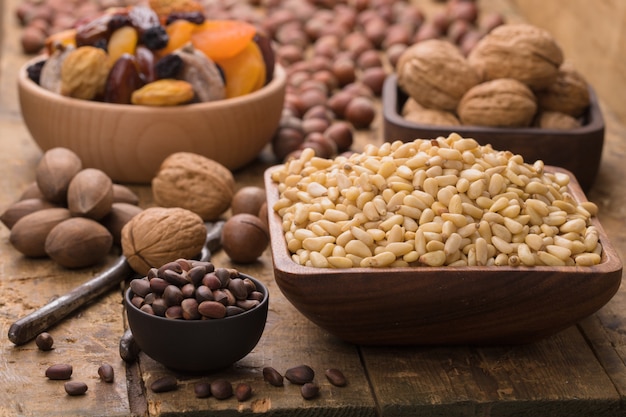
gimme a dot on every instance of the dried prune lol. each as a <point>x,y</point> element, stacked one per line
<point>145,62</point>
<point>34,71</point>
<point>169,66</point>
<point>155,38</point>
<point>94,31</point>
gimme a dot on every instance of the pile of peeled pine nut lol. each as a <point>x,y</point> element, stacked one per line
<point>447,201</point>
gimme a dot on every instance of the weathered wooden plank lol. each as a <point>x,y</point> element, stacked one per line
<point>542,378</point>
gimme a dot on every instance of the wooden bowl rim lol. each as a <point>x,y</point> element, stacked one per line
<point>390,102</point>
<point>275,86</point>
<point>283,263</point>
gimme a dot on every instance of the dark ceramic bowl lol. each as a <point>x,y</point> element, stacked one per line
<point>198,345</point>
<point>577,150</point>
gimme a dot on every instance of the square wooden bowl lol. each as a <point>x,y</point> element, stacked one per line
<point>444,305</point>
<point>577,150</point>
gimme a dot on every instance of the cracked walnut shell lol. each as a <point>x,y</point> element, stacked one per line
<point>194,182</point>
<point>159,235</point>
<point>520,51</point>
<point>435,74</point>
<point>504,102</point>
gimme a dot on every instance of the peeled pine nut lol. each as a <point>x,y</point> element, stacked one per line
<point>445,201</point>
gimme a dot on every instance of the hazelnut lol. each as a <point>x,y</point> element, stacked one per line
<point>248,200</point>
<point>244,238</point>
<point>341,133</point>
<point>360,112</point>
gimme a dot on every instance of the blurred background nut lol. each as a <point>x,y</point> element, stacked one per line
<point>436,74</point>
<point>569,94</point>
<point>556,120</point>
<point>500,102</point>
<point>520,51</point>
<point>432,117</point>
<point>248,200</point>
<point>159,235</point>
<point>194,182</point>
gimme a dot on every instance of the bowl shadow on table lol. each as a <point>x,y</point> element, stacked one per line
<point>577,150</point>
<point>411,306</point>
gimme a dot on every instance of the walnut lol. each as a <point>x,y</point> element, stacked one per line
<point>194,182</point>
<point>432,117</point>
<point>159,235</point>
<point>502,102</point>
<point>569,94</point>
<point>519,51</point>
<point>435,74</point>
<point>556,120</point>
<point>84,72</point>
<point>410,105</point>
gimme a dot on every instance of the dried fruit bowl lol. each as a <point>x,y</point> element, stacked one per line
<point>129,142</point>
<point>198,345</point>
<point>443,305</point>
<point>577,150</point>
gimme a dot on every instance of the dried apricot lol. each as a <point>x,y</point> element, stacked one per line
<point>222,39</point>
<point>245,72</point>
<point>179,32</point>
<point>166,92</point>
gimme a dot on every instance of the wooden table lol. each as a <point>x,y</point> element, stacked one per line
<point>577,372</point>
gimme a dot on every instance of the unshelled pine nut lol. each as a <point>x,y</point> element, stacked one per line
<point>445,201</point>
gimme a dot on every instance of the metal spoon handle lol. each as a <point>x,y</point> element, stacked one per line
<point>31,325</point>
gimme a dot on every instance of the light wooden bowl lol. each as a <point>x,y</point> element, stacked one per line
<point>129,142</point>
<point>444,305</point>
<point>577,150</point>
